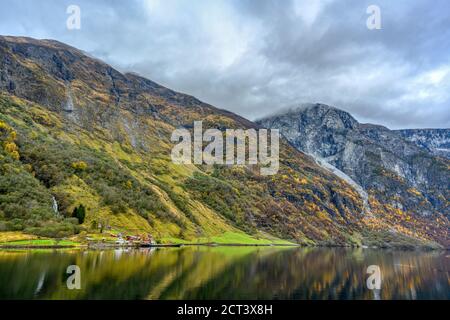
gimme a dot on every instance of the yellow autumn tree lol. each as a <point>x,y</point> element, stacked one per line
<point>8,137</point>
<point>79,165</point>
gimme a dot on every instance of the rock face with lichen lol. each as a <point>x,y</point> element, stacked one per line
<point>89,135</point>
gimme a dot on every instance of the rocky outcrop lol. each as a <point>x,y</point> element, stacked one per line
<point>435,141</point>
<point>398,172</point>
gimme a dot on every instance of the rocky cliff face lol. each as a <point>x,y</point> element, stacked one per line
<point>396,173</point>
<point>76,129</point>
<point>435,141</point>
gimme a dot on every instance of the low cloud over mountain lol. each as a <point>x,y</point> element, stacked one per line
<point>253,57</point>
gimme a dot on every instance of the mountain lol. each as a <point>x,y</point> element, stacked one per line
<point>395,174</point>
<point>436,141</point>
<point>76,133</point>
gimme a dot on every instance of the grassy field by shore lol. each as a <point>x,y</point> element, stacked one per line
<point>18,239</point>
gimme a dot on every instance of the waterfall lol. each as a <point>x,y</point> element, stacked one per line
<point>55,206</point>
<point>69,103</point>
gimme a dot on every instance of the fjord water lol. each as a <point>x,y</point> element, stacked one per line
<point>224,273</point>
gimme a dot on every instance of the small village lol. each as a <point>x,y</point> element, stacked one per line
<point>123,240</point>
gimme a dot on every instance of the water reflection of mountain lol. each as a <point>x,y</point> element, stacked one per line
<point>224,272</point>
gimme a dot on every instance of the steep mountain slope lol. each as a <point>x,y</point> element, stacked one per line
<point>400,177</point>
<point>436,141</point>
<point>75,129</point>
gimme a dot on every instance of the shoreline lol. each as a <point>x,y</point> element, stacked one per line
<point>95,246</point>
<point>137,246</point>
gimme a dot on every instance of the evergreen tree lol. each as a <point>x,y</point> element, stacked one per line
<point>79,213</point>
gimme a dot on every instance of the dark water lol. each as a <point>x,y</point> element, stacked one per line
<point>224,273</point>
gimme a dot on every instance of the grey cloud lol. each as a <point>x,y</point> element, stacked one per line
<point>254,57</point>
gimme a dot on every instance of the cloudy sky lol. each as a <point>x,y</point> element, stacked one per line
<point>254,57</point>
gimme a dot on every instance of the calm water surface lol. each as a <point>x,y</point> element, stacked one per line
<point>224,273</point>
